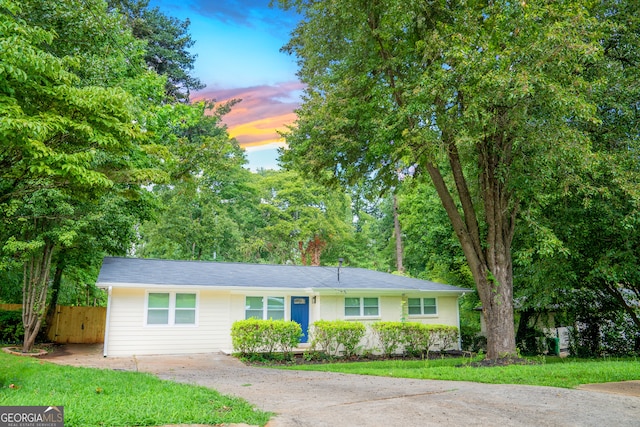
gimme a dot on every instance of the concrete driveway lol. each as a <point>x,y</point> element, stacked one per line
<point>328,399</point>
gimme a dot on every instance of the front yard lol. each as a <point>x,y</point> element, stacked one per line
<point>103,397</point>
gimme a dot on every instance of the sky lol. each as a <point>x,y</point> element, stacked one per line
<point>237,43</point>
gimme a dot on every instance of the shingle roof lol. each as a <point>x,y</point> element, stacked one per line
<point>128,272</point>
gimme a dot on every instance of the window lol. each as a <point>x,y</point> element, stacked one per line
<point>422,306</point>
<point>170,308</point>
<point>255,308</point>
<point>158,312</point>
<point>360,307</point>
<point>185,309</point>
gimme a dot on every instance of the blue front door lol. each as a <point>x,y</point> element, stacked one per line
<point>300,314</point>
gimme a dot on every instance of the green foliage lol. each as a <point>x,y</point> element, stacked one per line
<point>301,219</point>
<point>483,98</point>
<point>73,96</point>
<point>432,250</point>
<point>446,336</point>
<point>104,397</point>
<point>254,336</point>
<point>415,339</point>
<point>11,328</point>
<point>337,336</point>
<point>389,335</point>
<point>600,327</point>
<point>209,203</point>
<point>167,46</point>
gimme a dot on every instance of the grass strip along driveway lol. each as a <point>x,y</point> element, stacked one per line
<point>544,371</point>
<point>101,397</point>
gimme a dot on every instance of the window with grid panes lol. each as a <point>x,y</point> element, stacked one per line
<point>361,306</point>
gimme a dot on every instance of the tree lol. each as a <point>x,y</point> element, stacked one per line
<point>366,245</point>
<point>66,139</point>
<point>208,197</point>
<point>478,95</point>
<point>432,249</point>
<point>595,274</point>
<point>397,235</point>
<point>301,218</point>
<point>168,41</point>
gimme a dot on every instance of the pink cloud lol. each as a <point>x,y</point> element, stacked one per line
<point>263,110</point>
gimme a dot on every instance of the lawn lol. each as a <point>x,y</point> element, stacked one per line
<point>546,371</point>
<point>101,397</point>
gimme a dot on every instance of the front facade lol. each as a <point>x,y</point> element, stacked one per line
<point>180,307</point>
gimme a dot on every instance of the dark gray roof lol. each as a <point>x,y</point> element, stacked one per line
<point>128,272</point>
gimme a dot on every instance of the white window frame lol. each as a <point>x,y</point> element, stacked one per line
<point>422,306</point>
<point>265,307</point>
<point>362,307</point>
<point>172,310</point>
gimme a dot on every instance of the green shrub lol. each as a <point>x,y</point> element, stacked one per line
<point>418,338</point>
<point>288,336</point>
<point>390,336</point>
<point>11,328</point>
<point>445,335</point>
<point>253,336</point>
<point>324,337</point>
<point>246,336</point>
<point>337,335</point>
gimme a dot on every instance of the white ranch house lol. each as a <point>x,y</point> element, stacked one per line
<point>179,307</point>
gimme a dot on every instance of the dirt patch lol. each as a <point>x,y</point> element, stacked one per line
<point>627,388</point>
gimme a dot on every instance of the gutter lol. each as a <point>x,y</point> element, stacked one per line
<point>108,319</point>
<point>320,289</point>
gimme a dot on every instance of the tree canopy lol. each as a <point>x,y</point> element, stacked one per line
<point>70,134</point>
<point>481,96</point>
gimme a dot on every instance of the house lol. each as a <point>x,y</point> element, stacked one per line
<point>175,307</point>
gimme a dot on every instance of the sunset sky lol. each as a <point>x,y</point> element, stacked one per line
<point>238,57</point>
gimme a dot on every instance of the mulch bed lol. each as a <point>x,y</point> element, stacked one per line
<point>302,359</point>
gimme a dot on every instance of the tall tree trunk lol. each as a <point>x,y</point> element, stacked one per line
<point>489,260</point>
<point>55,292</point>
<point>397,231</point>
<point>303,252</point>
<point>34,293</point>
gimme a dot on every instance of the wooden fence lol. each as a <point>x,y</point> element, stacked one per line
<point>74,325</point>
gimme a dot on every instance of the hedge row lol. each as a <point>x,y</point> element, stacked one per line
<point>253,336</point>
<point>413,338</point>
<point>335,336</point>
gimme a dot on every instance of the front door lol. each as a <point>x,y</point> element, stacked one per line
<point>300,314</point>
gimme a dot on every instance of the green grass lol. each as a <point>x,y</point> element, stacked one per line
<point>101,397</point>
<point>550,371</point>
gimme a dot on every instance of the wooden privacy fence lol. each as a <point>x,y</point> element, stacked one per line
<point>74,325</point>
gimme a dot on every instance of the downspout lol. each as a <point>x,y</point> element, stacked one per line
<point>459,331</point>
<point>106,328</point>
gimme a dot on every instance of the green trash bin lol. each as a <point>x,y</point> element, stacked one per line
<point>554,346</point>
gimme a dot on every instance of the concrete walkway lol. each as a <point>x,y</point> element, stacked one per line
<point>327,399</point>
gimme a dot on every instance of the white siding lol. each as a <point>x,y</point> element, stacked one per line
<point>332,308</point>
<point>128,334</point>
<point>391,310</point>
<point>217,310</point>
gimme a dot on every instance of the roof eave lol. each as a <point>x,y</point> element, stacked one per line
<point>318,290</point>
